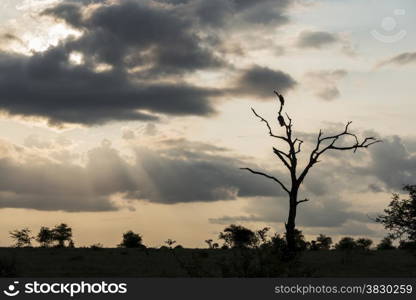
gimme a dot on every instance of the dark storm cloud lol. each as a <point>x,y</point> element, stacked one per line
<point>137,28</point>
<point>267,12</point>
<point>261,81</point>
<point>235,13</point>
<point>70,12</point>
<point>134,58</point>
<point>123,37</point>
<point>62,92</point>
<point>316,39</point>
<point>201,173</point>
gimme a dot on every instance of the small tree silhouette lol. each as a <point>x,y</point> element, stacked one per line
<point>209,243</point>
<point>289,158</point>
<point>346,243</point>
<point>323,242</point>
<point>400,216</point>
<point>386,244</point>
<point>364,244</point>
<point>62,233</point>
<point>22,237</point>
<point>237,236</point>
<point>45,237</point>
<point>170,243</point>
<point>262,235</point>
<point>131,240</point>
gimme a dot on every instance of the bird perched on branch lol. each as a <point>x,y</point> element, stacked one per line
<point>281,120</point>
<point>281,98</point>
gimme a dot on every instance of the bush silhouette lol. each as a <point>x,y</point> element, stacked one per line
<point>45,237</point>
<point>22,237</point>
<point>278,242</point>
<point>363,243</point>
<point>209,243</point>
<point>386,244</point>
<point>62,233</point>
<point>346,243</point>
<point>97,246</point>
<point>236,236</point>
<point>131,240</point>
<point>170,243</point>
<point>323,242</point>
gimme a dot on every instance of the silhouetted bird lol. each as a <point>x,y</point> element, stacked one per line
<point>282,100</point>
<point>281,120</point>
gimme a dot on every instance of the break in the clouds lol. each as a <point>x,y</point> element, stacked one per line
<point>132,60</point>
<point>324,83</point>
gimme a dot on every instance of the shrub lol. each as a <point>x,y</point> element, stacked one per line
<point>278,243</point>
<point>131,240</point>
<point>22,237</point>
<point>323,242</point>
<point>97,246</point>
<point>346,243</point>
<point>45,237</point>
<point>62,233</point>
<point>237,236</point>
<point>364,244</point>
<point>170,243</point>
<point>386,244</point>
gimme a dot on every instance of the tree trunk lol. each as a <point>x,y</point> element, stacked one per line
<point>291,225</point>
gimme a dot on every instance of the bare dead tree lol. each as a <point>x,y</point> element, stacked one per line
<point>289,158</point>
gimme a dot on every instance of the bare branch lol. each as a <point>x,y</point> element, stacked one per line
<point>313,159</point>
<point>268,176</point>
<point>268,126</point>
<point>299,145</point>
<point>302,201</point>
<point>282,101</point>
<point>368,141</point>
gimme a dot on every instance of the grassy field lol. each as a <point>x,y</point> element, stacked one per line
<point>84,262</point>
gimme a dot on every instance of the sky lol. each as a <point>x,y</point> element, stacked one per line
<point>136,114</point>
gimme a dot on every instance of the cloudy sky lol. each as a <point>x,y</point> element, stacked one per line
<point>119,115</point>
